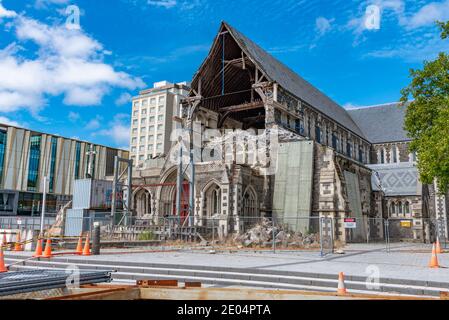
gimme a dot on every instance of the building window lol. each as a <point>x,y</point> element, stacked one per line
<point>277,116</point>
<point>34,161</point>
<point>160,118</point>
<point>110,161</point>
<point>151,119</point>
<point>3,136</point>
<point>136,104</point>
<point>298,126</point>
<point>394,154</point>
<point>400,208</point>
<point>144,103</point>
<point>91,162</point>
<point>144,112</point>
<point>136,113</point>
<point>161,108</point>
<point>392,209</point>
<point>54,149</point>
<point>161,100</point>
<point>143,121</point>
<point>349,149</point>
<point>159,137</point>
<point>160,127</point>
<point>407,207</point>
<point>153,101</point>
<point>134,141</point>
<point>360,155</point>
<point>133,149</point>
<point>135,122</point>
<point>318,134</point>
<point>150,147</point>
<point>152,110</point>
<point>382,155</point>
<point>77,160</point>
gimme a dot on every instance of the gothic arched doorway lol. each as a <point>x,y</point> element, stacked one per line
<point>142,203</point>
<point>168,196</point>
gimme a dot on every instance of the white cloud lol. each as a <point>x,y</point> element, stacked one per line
<point>68,63</point>
<point>5,120</point>
<point>80,96</point>
<point>6,13</point>
<point>118,130</point>
<point>428,14</point>
<point>387,9</point>
<point>45,3</point>
<point>74,116</point>
<point>182,5</point>
<point>421,48</point>
<point>167,4</point>
<point>124,98</point>
<point>322,25</point>
<point>94,124</point>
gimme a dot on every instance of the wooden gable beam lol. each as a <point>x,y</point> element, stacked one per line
<point>243,107</point>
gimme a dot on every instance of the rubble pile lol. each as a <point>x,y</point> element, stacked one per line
<point>261,235</point>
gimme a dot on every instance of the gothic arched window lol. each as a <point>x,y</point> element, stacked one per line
<point>249,204</point>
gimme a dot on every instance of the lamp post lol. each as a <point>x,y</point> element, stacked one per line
<point>44,198</point>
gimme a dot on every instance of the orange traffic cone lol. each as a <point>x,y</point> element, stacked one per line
<point>47,251</point>
<point>18,245</point>
<point>38,252</point>
<point>341,284</point>
<point>438,247</point>
<point>2,262</point>
<point>434,260</point>
<point>4,242</point>
<point>86,250</point>
<point>79,247</point>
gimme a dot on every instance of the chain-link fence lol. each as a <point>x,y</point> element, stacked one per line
<point>74,226</point>
<point>276,234</point>
<point>416,230</point>
<point>233,233</point>
<point>27,223</point>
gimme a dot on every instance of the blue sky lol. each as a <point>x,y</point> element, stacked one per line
<point>77,83</point>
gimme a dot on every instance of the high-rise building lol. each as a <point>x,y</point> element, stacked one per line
<point>152,119</point>
<point>27,156</point>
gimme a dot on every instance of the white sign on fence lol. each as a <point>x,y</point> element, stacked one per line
<point>350,223</point>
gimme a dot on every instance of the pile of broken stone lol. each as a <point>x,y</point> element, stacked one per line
<point>265,234</point>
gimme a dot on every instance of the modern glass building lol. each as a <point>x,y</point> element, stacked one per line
<point>26,157</point>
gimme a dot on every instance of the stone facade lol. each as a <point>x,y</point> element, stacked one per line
<point>349,152</point>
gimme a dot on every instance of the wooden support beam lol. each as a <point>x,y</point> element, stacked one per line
<point>243,107</point>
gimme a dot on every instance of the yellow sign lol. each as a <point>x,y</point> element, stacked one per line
<point>406,224</point>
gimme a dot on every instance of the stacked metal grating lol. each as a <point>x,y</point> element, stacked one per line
<point>39,280</point>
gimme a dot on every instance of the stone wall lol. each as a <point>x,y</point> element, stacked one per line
<point>330,198</point>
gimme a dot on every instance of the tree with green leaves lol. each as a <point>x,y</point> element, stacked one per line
<point>427,117</point>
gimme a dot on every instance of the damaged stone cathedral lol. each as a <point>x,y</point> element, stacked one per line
<point>330,162</point>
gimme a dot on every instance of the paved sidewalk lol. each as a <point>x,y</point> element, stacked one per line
<point>405,261</point>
